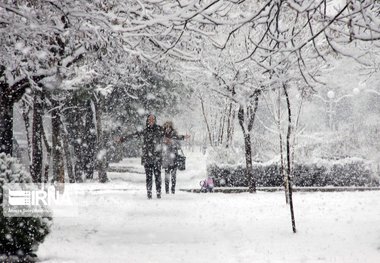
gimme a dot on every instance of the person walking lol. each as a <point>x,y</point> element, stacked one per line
<point>171,146</point>
<point>151,157</point>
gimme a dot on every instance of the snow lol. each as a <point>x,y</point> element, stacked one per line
<point>101,154</point>
<point>140,111</point>
<point>116,223</point>
<point>132,58</point>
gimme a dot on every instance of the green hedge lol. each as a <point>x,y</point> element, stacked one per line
<point>353,173</point>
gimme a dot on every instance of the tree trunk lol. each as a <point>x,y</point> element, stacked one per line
<point>48,155</point>
<point>248,162</point>
<point>282,170</point>
<point>9,95</point>
<point>25,115</point>
<point>206,122</point>
<point>89,148</point>
<point>232,127</point>
<point>282,164</point>
<point>6,124</point>
<point>58,165</point>
<point>248,152</point>
<point>222,125</point>
<point>68,153</point>
<point>101,156</point>
<point>76,132</point>
<point>36,167</point>
<point>212,124</point>
<point>288,158</point>
<point>229,126</point>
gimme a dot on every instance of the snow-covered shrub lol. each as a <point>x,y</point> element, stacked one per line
<point>341,172</point>
<point>234,175</point>
<point>311,174</point>
<point>19,236</point>
<point>346,172</point>
<point>227,175</point>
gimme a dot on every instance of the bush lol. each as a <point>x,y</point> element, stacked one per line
<point>19,236</point>
<point>346,172</point>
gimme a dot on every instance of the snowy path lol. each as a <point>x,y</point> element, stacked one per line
<point>123,226</point>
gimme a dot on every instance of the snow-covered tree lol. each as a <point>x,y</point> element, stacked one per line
<point>19,236</point>
<point>44,43</point>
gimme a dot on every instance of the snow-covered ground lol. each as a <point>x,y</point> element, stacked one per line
<point>116,223</point>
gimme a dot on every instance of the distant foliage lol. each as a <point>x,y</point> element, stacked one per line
<point>19,236</point>
<point>350,173</point>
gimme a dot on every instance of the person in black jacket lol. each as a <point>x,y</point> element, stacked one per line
<point>151,153</point>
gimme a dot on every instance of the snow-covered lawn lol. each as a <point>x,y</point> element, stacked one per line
<point>116,223</point>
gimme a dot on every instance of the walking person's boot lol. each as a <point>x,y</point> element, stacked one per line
<point>167,181</point>
<point>174,179</point>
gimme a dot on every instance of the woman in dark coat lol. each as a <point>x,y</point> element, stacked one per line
<point>151,153</point>
<point>169,154</point>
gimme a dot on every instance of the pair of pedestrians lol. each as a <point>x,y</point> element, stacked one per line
<point>159,150</point>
